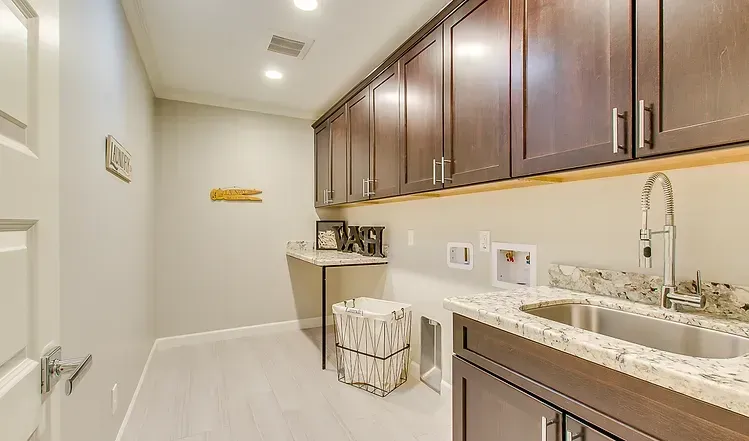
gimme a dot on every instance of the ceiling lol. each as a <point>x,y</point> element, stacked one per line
<point>214,51</point>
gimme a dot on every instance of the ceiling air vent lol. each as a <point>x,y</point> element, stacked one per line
<point>289,46</point>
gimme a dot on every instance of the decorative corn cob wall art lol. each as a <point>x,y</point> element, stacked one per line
<point>236,194</point>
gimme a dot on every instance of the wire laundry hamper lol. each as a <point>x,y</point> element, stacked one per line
<point>373,343</point>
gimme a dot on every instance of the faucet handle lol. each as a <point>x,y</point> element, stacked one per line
<point>699,284</point>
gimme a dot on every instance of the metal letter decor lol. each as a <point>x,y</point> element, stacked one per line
<point>366,241</point>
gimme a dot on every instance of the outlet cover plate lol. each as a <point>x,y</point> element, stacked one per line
<point>485,241</point>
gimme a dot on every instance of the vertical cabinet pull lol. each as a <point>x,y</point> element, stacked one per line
<point>366,189</point>
<point>641,124</point>
<point>573,436</point>
<point>443,170</point>
<point>545,423</point>
<point>615,115</point>
<point>434,172</point>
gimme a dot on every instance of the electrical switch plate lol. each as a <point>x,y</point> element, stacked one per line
<point>114,398</point>
<point>460,255</point>
<point>410,238</point>
<point>485,241</point>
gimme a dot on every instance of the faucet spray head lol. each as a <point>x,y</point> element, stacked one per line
<point>645,249</point>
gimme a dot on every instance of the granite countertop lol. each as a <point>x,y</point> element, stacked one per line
<point>305,251</point>
<point>722,382</point>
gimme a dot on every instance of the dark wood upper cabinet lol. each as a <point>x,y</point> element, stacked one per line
<point>338,154</point>
<point>358,147</point>
<point>421,84</point>
<point>385,135</point>
<point>581,431</point>
<point>692,74</point>
<point>322,164</point>
<point>477,92</point>
<point>571,66</point>
<point>486,408</point>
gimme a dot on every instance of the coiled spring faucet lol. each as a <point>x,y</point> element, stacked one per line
<point>669,297</point>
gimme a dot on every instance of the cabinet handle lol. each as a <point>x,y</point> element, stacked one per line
<point>641,124</point>
<point>370,192</point>
<point>443,170</point>
<point>545,423</point>
<point>434,172</point>
<point>573,436</point>
<point>615,115</point>
<point>364,191</point>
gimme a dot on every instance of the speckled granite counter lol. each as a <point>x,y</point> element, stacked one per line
<point>724,383</point>
<point>305,251</point>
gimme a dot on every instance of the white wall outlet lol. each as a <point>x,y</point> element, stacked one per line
<point>513,264</point>
<point>460,255</point>
<point>485,241</point>
<point>115,398</point>
<point>410,238</point>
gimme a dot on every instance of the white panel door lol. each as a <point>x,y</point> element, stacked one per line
<point>29,226</point>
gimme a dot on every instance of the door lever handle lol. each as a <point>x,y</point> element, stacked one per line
<point>80,366</point>
<point>54,367</point>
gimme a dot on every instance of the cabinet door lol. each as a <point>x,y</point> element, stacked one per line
<point>477,92</point>
<point>322,164</point>
<point>692,74</point>
<point>358,150</point>
<point>487,408</point>
<point>385,134</point>
<point>571,67</point>
<point>338,153</point>
<point>421,71</point>
<point>577,431</point>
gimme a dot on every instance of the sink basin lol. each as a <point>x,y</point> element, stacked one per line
<point>652,332</point>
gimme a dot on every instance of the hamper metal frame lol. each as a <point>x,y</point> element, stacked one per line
<point>377,374</point>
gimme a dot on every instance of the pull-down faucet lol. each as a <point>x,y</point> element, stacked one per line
<point>669,297</point>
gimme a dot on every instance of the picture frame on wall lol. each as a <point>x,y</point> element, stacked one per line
<point>325,237</point>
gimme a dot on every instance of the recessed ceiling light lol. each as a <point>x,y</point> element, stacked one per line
<point>273,74</point>
<point>306,5</point>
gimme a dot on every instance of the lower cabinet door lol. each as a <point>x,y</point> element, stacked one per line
<point>486,408</point>
<point>577,431</point>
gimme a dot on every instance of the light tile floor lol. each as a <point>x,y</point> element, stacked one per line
<point>269,388</point>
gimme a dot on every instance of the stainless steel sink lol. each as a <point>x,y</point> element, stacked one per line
<point>647,331</point>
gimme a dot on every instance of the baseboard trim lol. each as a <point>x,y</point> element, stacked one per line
<point>133,400</point>
<point>232,333</point>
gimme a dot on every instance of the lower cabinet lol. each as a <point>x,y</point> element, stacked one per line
<point>509,388</point>
<point>486,408</point>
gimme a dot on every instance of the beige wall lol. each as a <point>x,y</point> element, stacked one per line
<point>106,225</point>
<point>223,264</point>
<point>593,223</point>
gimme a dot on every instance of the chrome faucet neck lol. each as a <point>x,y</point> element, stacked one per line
<point>669,297</point>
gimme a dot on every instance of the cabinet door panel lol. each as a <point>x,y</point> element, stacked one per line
<point>385,134</point>
<point>583,432</point>
<point>421,113</point>
<point>571,66</point>
<point>338,153</point>
<point>692,73</point>
<point>487,408</point>
<point>358,151</point>
<point>477,92</point>
<point>322,164</point>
